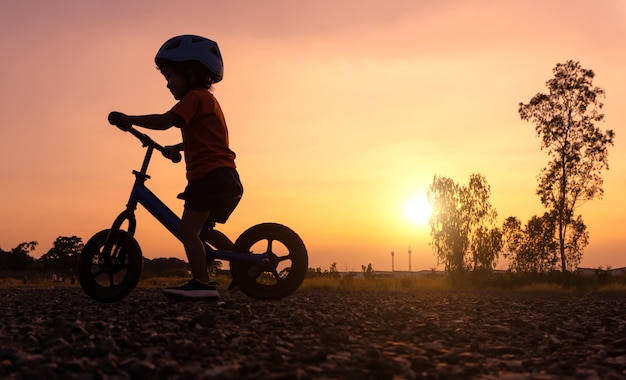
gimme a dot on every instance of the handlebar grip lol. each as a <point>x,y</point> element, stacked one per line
<point>115,118</point>
<point>177,158</point>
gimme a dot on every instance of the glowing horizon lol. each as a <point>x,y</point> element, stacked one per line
<point>339,115</point>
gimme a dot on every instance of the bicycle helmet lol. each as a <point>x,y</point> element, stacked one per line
<point>188,47</point>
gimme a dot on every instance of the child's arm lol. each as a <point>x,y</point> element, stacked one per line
<point>178,147</point>
<point>159,122</point>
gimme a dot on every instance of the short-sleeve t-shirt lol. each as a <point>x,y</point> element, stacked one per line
<point>205,136</point>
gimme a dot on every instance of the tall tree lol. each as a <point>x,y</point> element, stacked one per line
<point>565,121</point>
<point>576,240</point>
<point>461,224</point>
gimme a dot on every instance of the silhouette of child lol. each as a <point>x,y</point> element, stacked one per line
<point>191,65</point>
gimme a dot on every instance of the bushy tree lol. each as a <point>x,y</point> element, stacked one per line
<point>461,224</point>
<point>449,236</point>
<point>486,246</point>
<point>165,267</point>
<point>565,121</point>
<point>64,254</point>
<point>533,248</point>
<point>18,258</point>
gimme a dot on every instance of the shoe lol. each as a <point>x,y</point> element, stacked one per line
<point>193,289</point>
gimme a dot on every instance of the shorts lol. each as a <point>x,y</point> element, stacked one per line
<point>219,191</point>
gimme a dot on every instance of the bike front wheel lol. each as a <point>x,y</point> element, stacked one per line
<point>109,271</point>
<point>286,267</point>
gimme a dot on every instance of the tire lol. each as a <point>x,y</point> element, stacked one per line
<point>288,262</point>
<point>109,278</point>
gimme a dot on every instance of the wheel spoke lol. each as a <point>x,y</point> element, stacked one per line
<point>269,245</point>
<point>277,276</point>
<point>115,255</point>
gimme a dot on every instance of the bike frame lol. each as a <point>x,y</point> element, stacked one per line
<point>140,194</point>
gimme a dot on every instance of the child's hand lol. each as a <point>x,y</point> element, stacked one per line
<point>120,120</point>
<point>172,152</point>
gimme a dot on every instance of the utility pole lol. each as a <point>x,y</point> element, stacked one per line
<point>392,261</point>
<point>409,258</point>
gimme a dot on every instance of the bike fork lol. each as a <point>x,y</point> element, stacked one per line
<point>126,215</point>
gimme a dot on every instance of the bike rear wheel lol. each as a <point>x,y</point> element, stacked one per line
<point>110,276</point>
<point>286,267</point>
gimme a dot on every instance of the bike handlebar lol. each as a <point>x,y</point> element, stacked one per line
<point>116,120</point>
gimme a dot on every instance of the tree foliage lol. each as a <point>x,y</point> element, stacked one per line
<point>462,231</point>
<point>576,240</point>
<point>534,247</point>
<point>18,258</point>
<point>531,248</point>
<point>64,254</point>
<point>165,267</point>
<point>486,246</point>
<point>565,121</point>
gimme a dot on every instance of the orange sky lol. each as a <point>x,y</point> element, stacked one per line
<point>340,113</point>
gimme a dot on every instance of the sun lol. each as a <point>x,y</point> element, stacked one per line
<point>418,210</point>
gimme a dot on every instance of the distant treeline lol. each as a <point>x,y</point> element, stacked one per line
<point>63,258</point>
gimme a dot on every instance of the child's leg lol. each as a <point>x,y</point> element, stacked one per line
<point>189,233</point>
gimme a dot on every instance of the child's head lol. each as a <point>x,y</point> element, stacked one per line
<point>197,59</point>
<point>194,73</point>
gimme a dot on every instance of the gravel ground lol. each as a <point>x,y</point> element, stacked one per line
<point>314,334</point>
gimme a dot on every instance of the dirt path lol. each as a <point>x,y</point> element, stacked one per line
<point>61,333</point>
